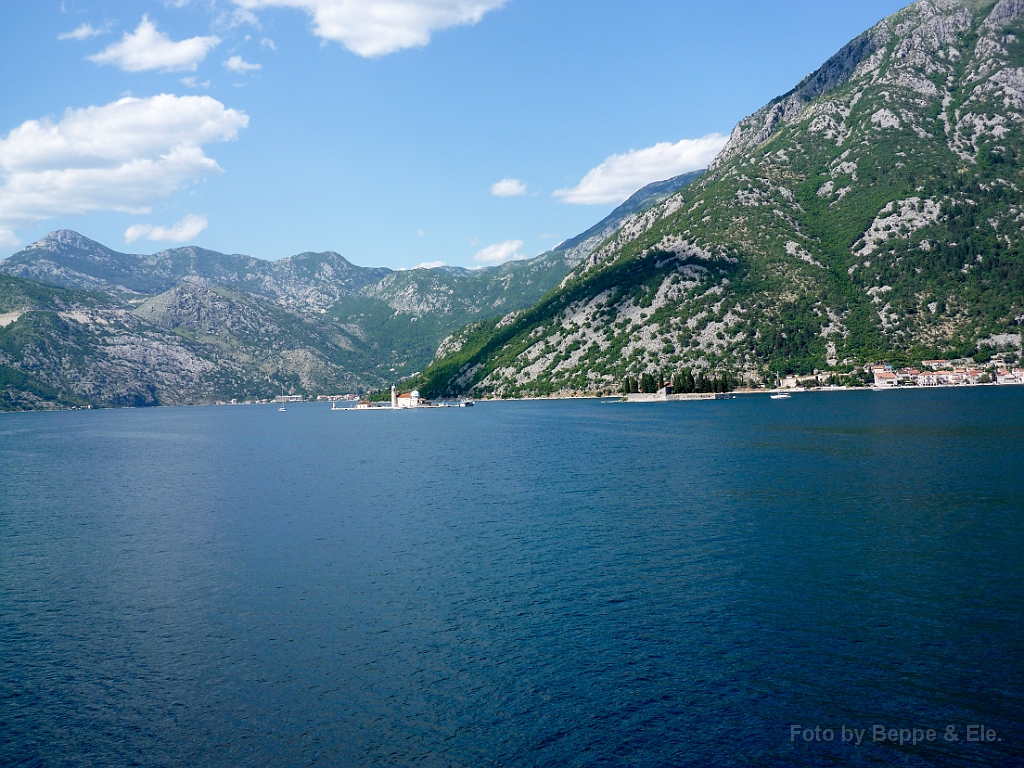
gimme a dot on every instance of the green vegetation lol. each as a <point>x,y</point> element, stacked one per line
<point>683,382</point>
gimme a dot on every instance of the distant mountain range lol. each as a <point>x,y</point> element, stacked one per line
<point>874,212</point>
<point>82,324</point>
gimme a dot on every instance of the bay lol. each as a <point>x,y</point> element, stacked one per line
<point>547,583</point>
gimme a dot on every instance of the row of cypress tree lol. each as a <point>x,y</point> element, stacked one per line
<point>684,382</point>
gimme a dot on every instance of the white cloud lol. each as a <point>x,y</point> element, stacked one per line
<point>240,66</point>
<point>500,252</point>
<point>508,188</point>
<point>123,156</point>
<point>379,27</point>
<point>8,239</point>
<point>266,42</point>
<point>195,82</point>
<point>237,18</point>
<point>84,32</point>
<point>147,48</point>
<point>620,176</point>
<point>184,230</point>
<point>430,265</point>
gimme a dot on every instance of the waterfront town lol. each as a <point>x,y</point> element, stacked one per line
<point>932,373</point>
<point>941,373</point>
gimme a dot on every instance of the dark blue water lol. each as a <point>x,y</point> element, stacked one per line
<point>517,584</point>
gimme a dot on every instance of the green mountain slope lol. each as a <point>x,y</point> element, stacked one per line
<point>874,212</point>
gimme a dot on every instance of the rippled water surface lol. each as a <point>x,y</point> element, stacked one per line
<point>516,584</point>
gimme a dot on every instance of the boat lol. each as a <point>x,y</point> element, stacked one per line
<point>780,395</point>
<point>282,409</point>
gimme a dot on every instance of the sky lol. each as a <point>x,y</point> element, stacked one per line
<point>398,133</point>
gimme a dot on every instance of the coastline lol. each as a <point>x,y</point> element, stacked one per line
<point>614,397</point>
<point>705,396</point>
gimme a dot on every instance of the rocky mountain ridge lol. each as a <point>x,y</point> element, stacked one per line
<point>307,281</point>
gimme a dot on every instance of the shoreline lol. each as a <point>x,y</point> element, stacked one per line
<point>702,396</point>
<point>615,397</point>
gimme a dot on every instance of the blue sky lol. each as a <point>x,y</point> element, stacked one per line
<point>396,132</point>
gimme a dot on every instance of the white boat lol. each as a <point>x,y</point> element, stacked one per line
<point>781,396</point>
<point>282,409</point>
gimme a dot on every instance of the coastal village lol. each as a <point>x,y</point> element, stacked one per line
<point>933,373</point>
<point>940,373</point>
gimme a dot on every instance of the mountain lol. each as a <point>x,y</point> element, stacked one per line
<point>874,212</point>
<point>308,281</point>
<point>82,324</point>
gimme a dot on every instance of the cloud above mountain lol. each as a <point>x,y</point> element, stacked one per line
<point>378,27</point>
<point>123,156</point>
<point>147,49</point>
<point>186,229</point>
<point>84,32</point>
<point>499,253</point>
<point>620,176</point>
<point>240,66</point>
<point>508,188</point>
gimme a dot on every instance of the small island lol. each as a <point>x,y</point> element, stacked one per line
<point>404,401</point>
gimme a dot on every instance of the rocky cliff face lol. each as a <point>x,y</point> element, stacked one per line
<point>874,212</point>
<point>580,247</point>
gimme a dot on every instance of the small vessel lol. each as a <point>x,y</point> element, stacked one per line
<point>780,395</point>
<point>282,409</point>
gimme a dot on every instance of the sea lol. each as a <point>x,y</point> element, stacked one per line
<point>833,579</point>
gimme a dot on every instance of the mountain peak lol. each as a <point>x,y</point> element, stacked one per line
<point>65,238</point>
